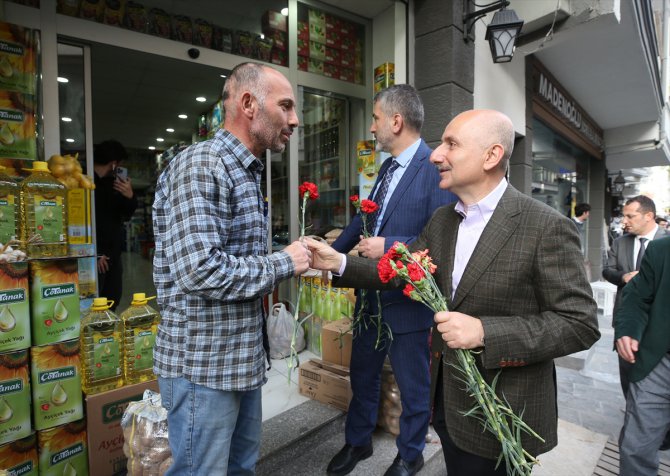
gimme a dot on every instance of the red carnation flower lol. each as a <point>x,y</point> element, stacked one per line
<point>415,272</point>
<point>385,270</point>
<point>407,290</point>
<point>368,206</point>
<point>310,189</point>
<point>353,199</point>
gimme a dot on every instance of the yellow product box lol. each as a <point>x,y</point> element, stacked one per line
<point>20,457</point>
<point>14,396</point>
<point>79,216</point>
<point>18,62</point>
<point>54,300</point>
<point>56,384</point>
<point>17,126</point>
<point>317,26</point>
<point>14,307</point>
<point>63,450</point>
<point>384,76</point>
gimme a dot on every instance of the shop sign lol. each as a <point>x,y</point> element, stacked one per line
<point>566,108</point>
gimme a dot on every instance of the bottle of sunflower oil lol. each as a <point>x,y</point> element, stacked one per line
<point>101,348</point>
<point>43,216</point>
<point>9,208</point>
<point>140,324</point>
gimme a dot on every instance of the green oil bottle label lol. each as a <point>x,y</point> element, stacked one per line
<point>143,357</point>
<point>7,218</point>
<point>49,219</point>
<point>106,362</point>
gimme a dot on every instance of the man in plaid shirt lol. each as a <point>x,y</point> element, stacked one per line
<point>211,271</point>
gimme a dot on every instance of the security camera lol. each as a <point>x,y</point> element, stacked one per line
<point>193,53</point>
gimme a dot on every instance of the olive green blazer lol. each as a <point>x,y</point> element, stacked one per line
<point>527,284</point>
<point>644,313</point>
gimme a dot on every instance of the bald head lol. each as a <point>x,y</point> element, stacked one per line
<point>491,127</point>
<point>245,77</point>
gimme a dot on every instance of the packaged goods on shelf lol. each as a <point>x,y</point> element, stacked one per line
<point>14,396</point>
<point>326,383</point>
<point>15,331</point>
<point>202,33</point>
<point>182,29</point>
<point>91,9</point>
<point>101,341</point>
<point>63,450</point>
<point>18,64</point>
<point>112,12</point>
<point>10,212</point>
<point>55,374</point>
<point>79,226</point>
<point>336,342</point>
<point>384,76</point>
<point>159,23</point>
<point>303,30</point>
<point>17,125</point>
<point>104,413</point>
<point>317,26</point>
<point>135,17</point>
<point>317,50</point>
<point>278,38</point>
<point>262,49</point>
<point>54,300</point>
<point>68,7</point>
<point>244,43</point>
<point>20,456</point>
<point>222,39</point>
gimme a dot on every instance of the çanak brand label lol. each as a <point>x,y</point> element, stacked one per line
<point>63,450</point>
<point>14,396</point>
<point>56,384</point>
<point>20,457</point>
<point>14,307</point>
<point>54,301</point>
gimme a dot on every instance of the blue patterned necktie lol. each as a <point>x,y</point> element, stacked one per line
<point>380,194</point>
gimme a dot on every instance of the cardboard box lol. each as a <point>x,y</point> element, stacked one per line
<point>105,436</point>
<point>14,396</point>
<point>14,307</point>
<point>273,21</point>
<point>326,383</point>
<point>384,76</point>
<point>62,450</point>
<point>18,63</point>
<point>79,230</point>
<point>336,342</point>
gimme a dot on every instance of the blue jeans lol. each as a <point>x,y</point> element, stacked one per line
<point>212,432</point>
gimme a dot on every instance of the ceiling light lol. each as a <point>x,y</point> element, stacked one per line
<point>61,79</point>
<point>169,129</point>
<point>223,75</point>
<point>159,139</point>
<point>201,99</point>
<point>182,116</point>
<point>284,11</point>
<point>151,147</point>
<point>66,119</point>
<point>262,36</point>
<point>69,140</point>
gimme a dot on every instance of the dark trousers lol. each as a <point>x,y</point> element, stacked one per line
<point>110,284</point>
<point>459,462</point>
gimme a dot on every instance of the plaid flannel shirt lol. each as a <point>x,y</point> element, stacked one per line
<point>211,268</point>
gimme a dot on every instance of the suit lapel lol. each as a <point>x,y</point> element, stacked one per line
<point>453,220</point>
<point>407,178</point>
<point>498,230</point>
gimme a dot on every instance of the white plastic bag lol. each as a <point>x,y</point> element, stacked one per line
<point>280,332</point>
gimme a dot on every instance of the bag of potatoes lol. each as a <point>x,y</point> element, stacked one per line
<point>145,434</point>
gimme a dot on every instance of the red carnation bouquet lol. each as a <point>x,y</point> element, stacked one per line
<point>417,269</point>
<point>365,208</point>
<point>308,191</point>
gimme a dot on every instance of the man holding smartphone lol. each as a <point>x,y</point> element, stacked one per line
<point>115,203</point>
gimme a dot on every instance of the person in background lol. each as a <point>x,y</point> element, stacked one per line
<point>410,197</point>
<point>115,203</point>
<point>625,255</point>
<point>642,333</point>
<point>662,222</point>
<point>582,212</point>
<point>212,270</point>
<point>511,268</point>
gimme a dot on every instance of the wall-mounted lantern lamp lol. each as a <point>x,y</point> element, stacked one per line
<point>619,185</point>
<point>501,33</point>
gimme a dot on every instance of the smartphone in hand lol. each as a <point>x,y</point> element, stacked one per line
<point>121,173</point>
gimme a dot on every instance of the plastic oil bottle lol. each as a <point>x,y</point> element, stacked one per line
<point>10,193</point>
<point>140,324</point>
<point>43,214</point>
<point>101,348</point>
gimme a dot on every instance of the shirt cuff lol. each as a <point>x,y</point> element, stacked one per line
<point>343,265</point>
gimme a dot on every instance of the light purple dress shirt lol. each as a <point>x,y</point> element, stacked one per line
<point>475,218</point>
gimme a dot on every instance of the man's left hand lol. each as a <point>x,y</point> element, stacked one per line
<point>124,187</point>
<point>460,331</point>
<point>372,247</point>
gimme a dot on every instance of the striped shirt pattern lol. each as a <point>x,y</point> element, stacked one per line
<point>211,267</point>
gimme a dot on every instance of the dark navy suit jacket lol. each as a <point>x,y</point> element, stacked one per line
<point>411,205</point>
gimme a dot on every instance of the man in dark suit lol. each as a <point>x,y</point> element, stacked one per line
<point>406,202</point>
<point>511,268</point>
<point>624,257</point>
<point>642,333</point>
